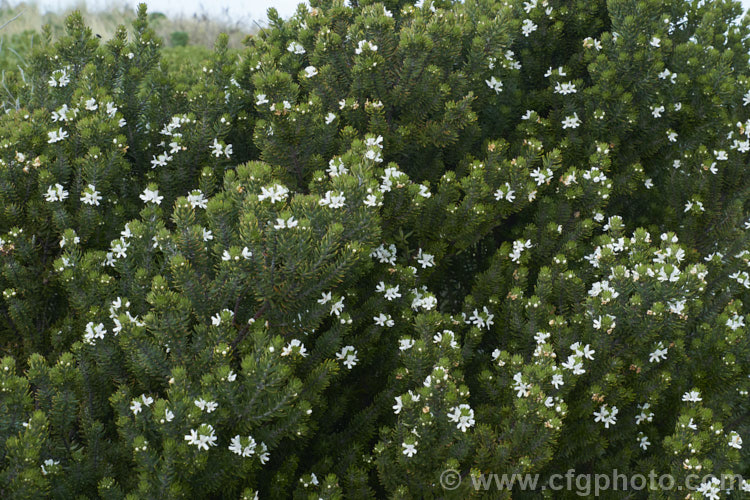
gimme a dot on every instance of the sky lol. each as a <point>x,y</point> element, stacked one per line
<point>236,9</point>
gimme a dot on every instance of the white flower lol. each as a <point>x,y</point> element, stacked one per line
<point>91,196</point>
<point>91,104</point>
<point>528,27</point>
<point>274,193</point>
<point>111,109</point>
<point>649,183</point>
<point>736,322</point>
<point>202,441</point>
<point>261,99</point>
<point>571,121</point>
<point>147,400</point>
<point>207,406</point>
<point>541,176</point>
<point>425,259</point>
<point>246,253</point>
<point>263,455</point>
<point>406,344</point>
<point>409,449</point>
<point>348,355</point>
<point>518,247</point>
<point>244,450</point>
<point>289,223</point>
<point>672,135</point>
<point>361,45</point>
<point>218,150</point>
<point>390,292</point>
<point>508,193</point>
<point>48,463</point>
<point>333,201</point>
<point>655,42</point>
<point>197,199</point>
<point>657,111</point>
<point>383,320</point>
<point>336,167</point>
<point>61,80</point>
<point>495,84</point>
<point>329,118</point>
<point>168,416</point>
<point>659,352</point>
<point>692,397</point>
<point>482,320</point>
<point>398,406</point>
<point>606,415</point>
<point>136,407</point>
<point>644,416</point>
<point>56,193</point>
<point>325,298</point>
<point>296,48</point>
<point>295,346</point>
<point>94,332</point>
<point>521,387</point>
<point>735,440</point>
<point>643,441</point>
<point>557,380</point>
<point>565,88</point>
<point>311,71</point>
<point>370,200</point>
<point>337,307</point>
<point>463,415</point>
<point>56,135</point>
<point>151,196</point>
<point>710,489</point>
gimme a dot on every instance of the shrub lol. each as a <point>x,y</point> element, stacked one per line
<point>379,243</point>
<point>179,38</point>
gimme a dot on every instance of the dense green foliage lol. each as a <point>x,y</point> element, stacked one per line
<point>379,242</point>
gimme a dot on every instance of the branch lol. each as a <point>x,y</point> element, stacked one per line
<point>243,333</point>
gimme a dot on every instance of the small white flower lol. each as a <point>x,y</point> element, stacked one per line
<point>406,344</point>
<point>294,347</point>
<point>364,43</point>
<point>91,104</point>
<point>692,397</point>
<point>528,27</point>
<point>261,99</point>
<point>311,71</point>
<point>383,320</point>
<point>56,135</point>
<point>329,118</point>
<point>463,415</point>
<point>643,441</point>
<point>398,406</point>
<point>197,199</point>
<point>495,84</point>
<point>409,449</point>
<point>136,407</point>
<point>274,193</point>
<point>655,42</point>
<point>296,48</point>
<point>348,355</point>
<point>56,193</point>
<point>735,440</point>
<point>606,415</point>
<point>91,196</point>
<point>571,121</point>
<point>150,196</point>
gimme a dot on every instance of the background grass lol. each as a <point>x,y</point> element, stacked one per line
<point>198,29</point>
